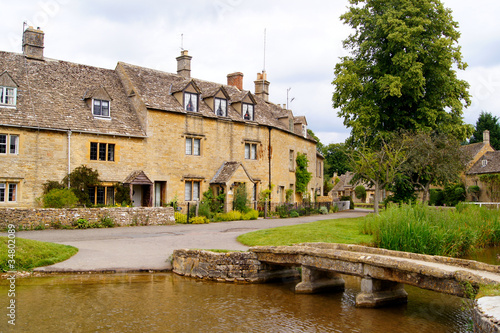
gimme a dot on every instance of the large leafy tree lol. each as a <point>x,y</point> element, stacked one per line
<point>433,159</point>
<point>336,159</point>
<point>401,71</point>
<point>487,121</point>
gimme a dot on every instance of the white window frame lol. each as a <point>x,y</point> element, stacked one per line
<point>8,192</point>
<point>5,98</point>
<point>250,151</point>
<point>7,145</point>
<point>222,103</point>
<point>94,100</point>
<point>250,108</point>
<point>14,186</point>
<point>3,187</point>
<point>194,100</point>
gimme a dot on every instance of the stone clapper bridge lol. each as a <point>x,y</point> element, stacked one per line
<point>383,272</point>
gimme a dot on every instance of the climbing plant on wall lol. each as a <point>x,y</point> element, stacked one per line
<point>492,182</point>
<point>302,176</point>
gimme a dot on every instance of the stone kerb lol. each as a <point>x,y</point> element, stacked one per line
<point>227,267</point>
<point>31,218</point>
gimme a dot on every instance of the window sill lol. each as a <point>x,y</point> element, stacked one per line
<point>102,117</point>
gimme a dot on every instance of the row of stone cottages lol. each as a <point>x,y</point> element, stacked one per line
<point>168,136</point>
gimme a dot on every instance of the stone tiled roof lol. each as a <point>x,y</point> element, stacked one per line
<point>471,150</point>
<point>491,164</point>
<point>51,95</point>
<point>138,177</point>
<point>226,172</point>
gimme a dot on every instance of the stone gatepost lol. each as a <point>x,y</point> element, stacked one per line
<point>376,293</point>
<point>315,281</point>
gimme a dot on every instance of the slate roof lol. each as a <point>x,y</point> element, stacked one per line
<point>492,164</point>
<point>138,177</point>
<point>471,150</point>
<point>50,95</point>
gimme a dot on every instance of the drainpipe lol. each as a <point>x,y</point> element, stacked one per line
<point>69,156</point>
<point>269,148</point>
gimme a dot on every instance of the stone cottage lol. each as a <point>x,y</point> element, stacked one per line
<point>166,135</point>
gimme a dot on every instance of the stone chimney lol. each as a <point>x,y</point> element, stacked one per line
<point>262,86</point>
<point>184,64</point>
<point>486,136</point>
<point>235,80</point>
<point>33,43</point>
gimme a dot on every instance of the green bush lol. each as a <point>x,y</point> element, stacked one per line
<point>59,198</point>
<point>436,197</point>
<point>323,210</point>
<point>334,209</point>
<point>252,214</point>
<point>360,192</point>
<point>240,202</point>
<point>107,222</point>
<point>82,224</point>
<point>294,213</point>
<point>229,216</point>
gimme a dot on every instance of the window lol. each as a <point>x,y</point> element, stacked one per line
<point>8,192</point>
<point>220,107</point>
<point>102,195</point>
<point>100,108</point>
<point>193,146</point>
<point>250,151</point>
<point>8,96</point>
<point>484,163</point>
<point>102,151</point>
<point>192,191</point>
<point>190,102</point>
<point>248,111</point>
<point>9,144</point>
<point>291,160</point>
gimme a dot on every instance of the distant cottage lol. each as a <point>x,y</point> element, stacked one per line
<point>165,135</point>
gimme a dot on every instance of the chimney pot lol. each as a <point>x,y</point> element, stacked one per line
<point>235,80</point>
<point>486,136</point>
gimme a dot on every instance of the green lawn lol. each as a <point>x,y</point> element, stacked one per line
<point>30,254</point>
<point>347,231</point>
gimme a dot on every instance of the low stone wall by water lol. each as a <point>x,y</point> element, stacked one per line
<point>32,218</point>
<point>228,267</point>
<point>486,315</point>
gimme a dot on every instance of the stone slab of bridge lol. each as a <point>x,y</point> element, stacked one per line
<point>383,272</point>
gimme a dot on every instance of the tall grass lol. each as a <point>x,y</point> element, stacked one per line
<point>422,229</point>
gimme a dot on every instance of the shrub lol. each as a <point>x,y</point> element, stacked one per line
<point>199,220</point>
<point>56,224</point>
<point>360,192</point>
<point>323,210</point>
<point>252,214</point>
<point>240,202</point>
<point>82,224</point>
<point>294,213</point>
<point>59,198</point>
<point>436,197</point>
<point>107,222</point>
<point>122,195</point>
<point>204,210</point>
<point>334,209</point>
<point>180,218</point>
<point>230,216</point>
<point>50,185</point>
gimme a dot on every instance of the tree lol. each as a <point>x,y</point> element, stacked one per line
<point>319,145</point>
<point>487,121</point>
<point>433,159</point>
<point>380,166</point>
<point>302,176</point>
<point>336,159</point>
<point>81,179</point>
<point>360,192</point>
<point>401,71</point>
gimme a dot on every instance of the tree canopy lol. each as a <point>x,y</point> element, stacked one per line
<point>487,121</point>
<point>336,159</point>
<point>401,71</point>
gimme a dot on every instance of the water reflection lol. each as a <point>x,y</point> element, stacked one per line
<point>169,303</point>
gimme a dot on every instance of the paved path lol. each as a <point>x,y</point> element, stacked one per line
<point>149,247</point>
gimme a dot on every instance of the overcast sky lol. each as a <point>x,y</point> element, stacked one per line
<point>303,44</point>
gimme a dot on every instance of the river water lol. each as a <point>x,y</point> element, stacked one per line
<point>170,303</point>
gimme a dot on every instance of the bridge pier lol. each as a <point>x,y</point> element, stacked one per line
<point>315,281</point>
<point>376,293</point>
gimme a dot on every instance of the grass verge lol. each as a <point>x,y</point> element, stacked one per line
<point>345,231</point>
<point>30,254</point>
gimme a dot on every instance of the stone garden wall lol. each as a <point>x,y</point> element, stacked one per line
<point>227,267</point>
<point>34,218</point>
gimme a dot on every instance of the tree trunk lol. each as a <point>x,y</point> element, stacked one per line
<point>376,198</point>
<point>426,193</point>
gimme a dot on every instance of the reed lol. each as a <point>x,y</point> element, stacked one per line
<point>423,229</point>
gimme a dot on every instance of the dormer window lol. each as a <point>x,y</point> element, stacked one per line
<point>484,163</point>
<point>190,102</point>
<point>220,107</point>
<point>100,108</point>
<point>8,96</point>
<point>248,111</point>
